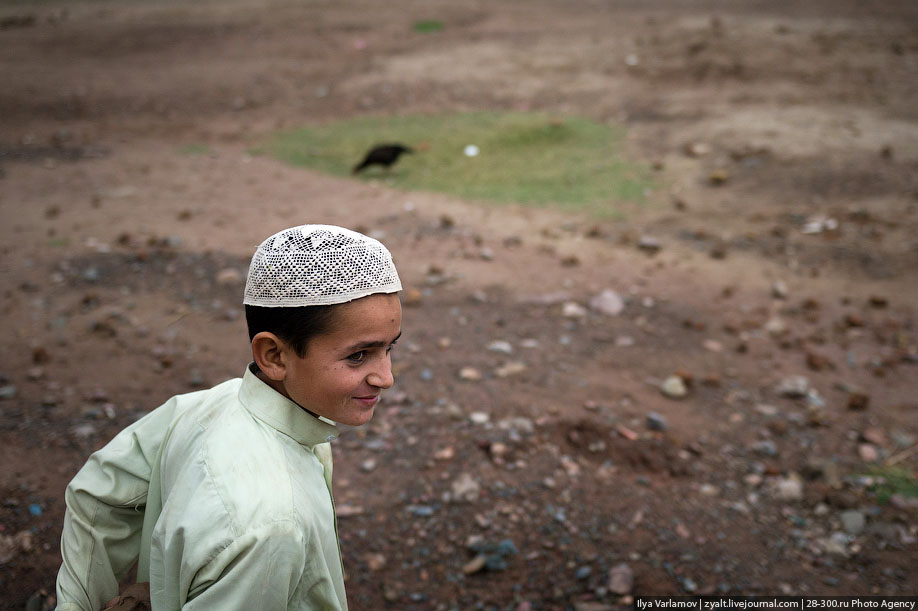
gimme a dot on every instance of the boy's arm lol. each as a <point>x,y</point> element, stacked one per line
<point>105,508</point>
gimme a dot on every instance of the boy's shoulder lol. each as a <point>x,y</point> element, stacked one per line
<point>258,474</point>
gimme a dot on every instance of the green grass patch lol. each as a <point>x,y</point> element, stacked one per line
<point>194,150</point>
<point>427,27</point>
<point>894,480</point>
<point>527,158</point>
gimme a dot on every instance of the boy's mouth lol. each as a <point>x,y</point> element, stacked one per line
<point>368,401</point>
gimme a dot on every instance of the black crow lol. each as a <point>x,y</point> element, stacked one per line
<point>383,154</point>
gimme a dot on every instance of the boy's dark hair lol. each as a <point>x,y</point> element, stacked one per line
<point>296,326</point>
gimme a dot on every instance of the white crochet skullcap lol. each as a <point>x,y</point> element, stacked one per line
<point>318,265</point>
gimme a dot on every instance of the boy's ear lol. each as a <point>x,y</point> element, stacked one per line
<point>270,354</point>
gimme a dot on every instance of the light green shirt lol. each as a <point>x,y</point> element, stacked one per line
<point>223,495</point>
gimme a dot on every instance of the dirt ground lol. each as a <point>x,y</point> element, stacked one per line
<point>780,242</point>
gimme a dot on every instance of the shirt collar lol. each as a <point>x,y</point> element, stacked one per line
<point>282,414</point>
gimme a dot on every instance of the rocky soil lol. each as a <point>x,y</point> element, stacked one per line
<point>710,392</point>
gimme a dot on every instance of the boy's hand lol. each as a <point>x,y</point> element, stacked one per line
<point>134,598</point>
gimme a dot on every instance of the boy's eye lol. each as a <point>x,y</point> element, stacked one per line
<point>358,357</point>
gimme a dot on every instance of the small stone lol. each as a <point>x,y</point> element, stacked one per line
<point>475,565</point>
<point>573,310</point>
<point>8,392</point>
<point>712,345</point>
<point>571,467</point>
<point>12,545</point>
<point>479,417</point>
<point>718,177</point>
<point>470,374</point>
<point>794,387</point>
<point>196,379</point>
<point>368,465</point>
<point>375,562</point>
<point>501,346</point>
<point>709,490</point>
<point>775,327</point>
<point>787,489</point>
<point>836,545</point>
<point>510,369</point>
<point>343,510</point>
<point>621,579</point>
<point>465,488</point>
<point>84,431</point>
<point>868,452</point>
<point>779,290</point>
<point>649,244</point>
<point>766,447</point>
<point>656,422</point>
<point>583,572</point>
<point>608,302</point>
<point>853,522</point>
<point>498,451</point>
<point>446,453</point>
<point>674,387</point>
<point>697,149</point>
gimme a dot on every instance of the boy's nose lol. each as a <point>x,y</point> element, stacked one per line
<point>381,376</point>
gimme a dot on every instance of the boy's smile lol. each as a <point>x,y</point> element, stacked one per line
<point>344,369</point>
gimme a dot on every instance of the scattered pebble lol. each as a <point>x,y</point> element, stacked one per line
<point>465,488</point>
<point>511,368</point>
<point>501,346</point>
<point>573,310</point>
<point>868,452</point>
<point>479,417</point>
<point>470,374</point>
<point>765,447</point>
<point>656,422</point>
<point>375,562</point>
<point>787,489</point>
<point>674,387</point>
<point>621,579</point>
<point>779,290</point>
<point>649,244</point>
<point>794,387</point>
<point>608,302</point>
<point>853,522</point>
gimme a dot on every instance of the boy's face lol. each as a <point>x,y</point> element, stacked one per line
<point>344,369</point>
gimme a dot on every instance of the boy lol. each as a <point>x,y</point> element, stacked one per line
<point>224,496</point>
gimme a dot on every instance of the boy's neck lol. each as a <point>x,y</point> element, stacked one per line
<point>278,386</point>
